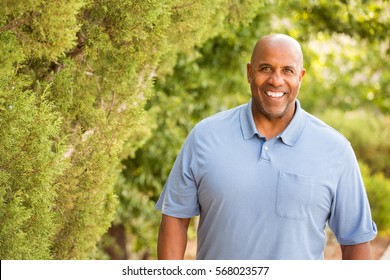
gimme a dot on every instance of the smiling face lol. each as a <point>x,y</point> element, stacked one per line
<point>275,74</point>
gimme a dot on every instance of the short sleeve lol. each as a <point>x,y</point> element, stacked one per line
<point>350,218</point>
<point>179,197</point>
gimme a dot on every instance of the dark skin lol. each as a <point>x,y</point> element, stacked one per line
<point>275,75</point>
<point>172,238</point>
<point>360,251</point>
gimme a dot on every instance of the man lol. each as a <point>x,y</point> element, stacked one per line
<point>266,176</point>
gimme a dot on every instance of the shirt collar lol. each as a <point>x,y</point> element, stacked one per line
<point>289,136</point>
<point>248,126</point>
<point>294,129</point>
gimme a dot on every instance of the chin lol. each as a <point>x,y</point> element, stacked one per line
<point>275,114</point>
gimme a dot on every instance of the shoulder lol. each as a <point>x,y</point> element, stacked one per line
<point>322,132</point>
<point>327,143</point>
<point>220,121</point>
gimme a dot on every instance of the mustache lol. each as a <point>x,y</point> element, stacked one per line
<point>271,88</point>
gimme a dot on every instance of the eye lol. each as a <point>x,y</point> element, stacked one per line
<point>265,69</point>
<point>288,71</point>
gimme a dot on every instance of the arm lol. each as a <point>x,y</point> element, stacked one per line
<point>172,238</point>
<point>360,251</point>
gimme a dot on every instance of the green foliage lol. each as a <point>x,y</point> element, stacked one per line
<point>29,164</point>
<point>93,63</point>
<point>378,191</point>
<point>361,19</point>
<point>45,28</point>
<point>30,161</point>
<point>346,73</point>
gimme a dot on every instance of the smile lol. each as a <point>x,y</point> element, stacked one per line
<point>275,94</point>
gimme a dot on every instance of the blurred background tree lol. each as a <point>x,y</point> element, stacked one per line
<point>97,97</point>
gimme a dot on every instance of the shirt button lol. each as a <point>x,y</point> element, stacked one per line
<point>266,148</point>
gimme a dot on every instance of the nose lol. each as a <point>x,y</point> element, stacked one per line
<point>276,79</point>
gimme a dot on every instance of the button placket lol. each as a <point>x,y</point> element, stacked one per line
<point>265,151</point>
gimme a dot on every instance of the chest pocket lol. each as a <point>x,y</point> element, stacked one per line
<point>293,195</point>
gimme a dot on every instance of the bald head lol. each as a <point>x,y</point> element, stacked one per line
<point>275,75</point>
<point>280,42</point>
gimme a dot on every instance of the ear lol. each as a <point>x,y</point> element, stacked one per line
<point>303,72</point>
<point>249,72</point>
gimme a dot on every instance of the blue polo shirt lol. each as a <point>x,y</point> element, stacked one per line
<point>267,199</point>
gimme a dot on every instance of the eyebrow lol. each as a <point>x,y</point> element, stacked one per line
<point>284,67</point>
<point>264,64</point>
<point>290,67</point>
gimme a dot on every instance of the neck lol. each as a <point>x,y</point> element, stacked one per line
<point>272,127</point>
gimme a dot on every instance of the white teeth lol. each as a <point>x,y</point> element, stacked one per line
<point>274,94</point>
